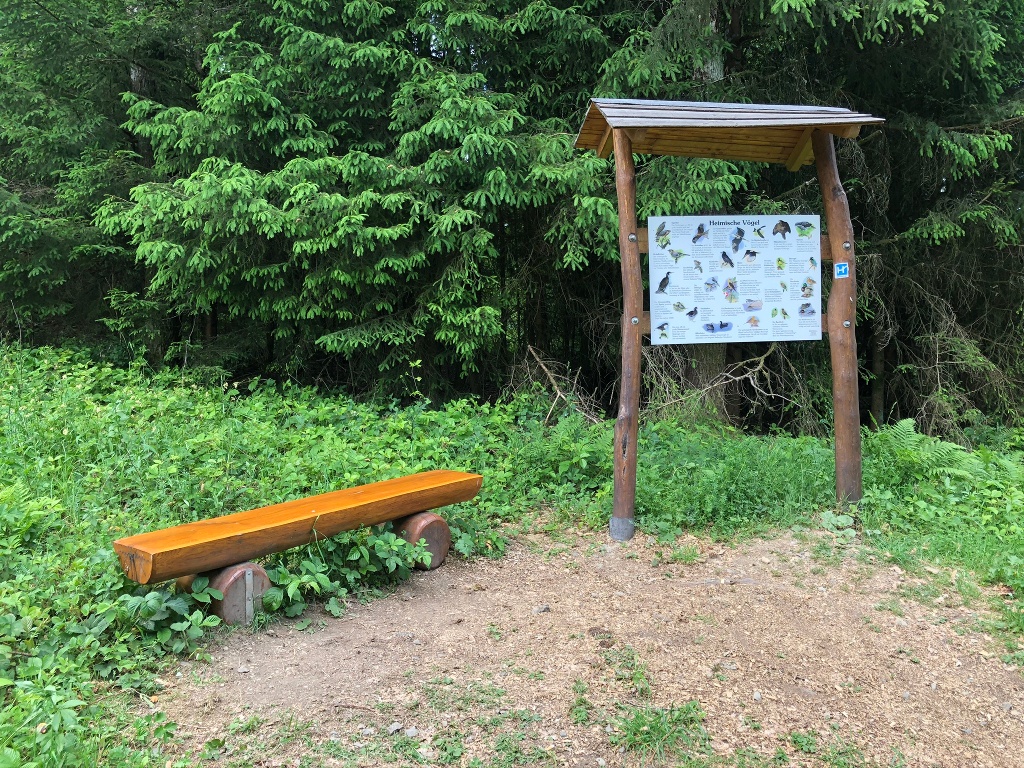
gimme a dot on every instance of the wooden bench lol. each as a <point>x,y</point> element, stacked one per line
<point>230,540</point>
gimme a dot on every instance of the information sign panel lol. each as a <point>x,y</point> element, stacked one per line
<point>716,279</point>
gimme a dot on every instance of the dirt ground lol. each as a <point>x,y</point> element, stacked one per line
<point>536,657</point>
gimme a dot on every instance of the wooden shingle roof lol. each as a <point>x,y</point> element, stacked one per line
<point>770,133</point>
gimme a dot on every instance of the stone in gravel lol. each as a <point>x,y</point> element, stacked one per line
<point>901,622</point>
<point>757,695</point>
<point>906,695</point>
<point>243,669</point>
<point>565,734</point>
<point>367,732</point>
<point>412,732</point>
<point>545,608</point>
<point>1007,706</point>
<point>394,728</point>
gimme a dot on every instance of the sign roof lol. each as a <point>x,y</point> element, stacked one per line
<point>770,133</point>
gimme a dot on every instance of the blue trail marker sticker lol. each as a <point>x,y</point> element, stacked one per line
<point>842,270</point>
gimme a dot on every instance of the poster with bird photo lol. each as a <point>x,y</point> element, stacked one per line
<point>716,279</point>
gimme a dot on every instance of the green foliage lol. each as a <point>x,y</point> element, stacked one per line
<point>332,191</point>
<point>967,506</point>
<point>806,742</point>
<point>627,666</point>
<point>661,733</point>
<point>349,175</point>
<point>90,453</point>
<point>726,483</point>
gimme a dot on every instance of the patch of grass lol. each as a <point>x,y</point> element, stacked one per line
<point>870,624</point>
<point>804,741</point>
<point>444,694</point>
<point>509,750</point>
<point>827,553</point>
<point>450,748</point>
<point>908,654</point>
<point>250,724</point>
<point>925,592</point>
<point>582,708</point>
<point>892,605</point>
<point>627,666</point>
<point>729,485</point>
<point>968,590</point>
<point>686,555</point>
<point>658,734</point>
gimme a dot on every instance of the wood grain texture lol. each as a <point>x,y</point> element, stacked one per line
<point>773,133</point>
<point>221,541</point>
<point>604,145</point>
<point>803,151</point>
<point>842,339</point>
<point>627,423</point>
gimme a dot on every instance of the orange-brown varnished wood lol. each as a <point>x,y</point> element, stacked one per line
<point>842,325</point>
<point>627,423</point>
<point>221,541</point>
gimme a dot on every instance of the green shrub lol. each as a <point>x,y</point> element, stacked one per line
<point>727,482</point>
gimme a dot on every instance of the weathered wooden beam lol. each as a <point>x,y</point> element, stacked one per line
<point>802,151</point>
<point>636,135</point>
<point>604,146</point>
<point>220,541</point>
<point>826,250</point>
<point>842,319</point>
<point>642,240</point>
<point>627,423</point>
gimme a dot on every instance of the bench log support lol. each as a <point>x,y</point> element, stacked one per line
<point>242,585</point>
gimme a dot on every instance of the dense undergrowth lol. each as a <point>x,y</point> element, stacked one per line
<point>90,453</point>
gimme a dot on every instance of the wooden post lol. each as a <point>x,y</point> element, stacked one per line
<point>842,319</point>
<point>625,448</point>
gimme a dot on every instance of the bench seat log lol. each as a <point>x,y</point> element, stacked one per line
<point>221,541</point>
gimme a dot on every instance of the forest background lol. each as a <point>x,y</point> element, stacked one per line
<point>210,206</point>
<point>385,197</point>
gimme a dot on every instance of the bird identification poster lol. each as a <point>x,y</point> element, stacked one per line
<point>716,279</point>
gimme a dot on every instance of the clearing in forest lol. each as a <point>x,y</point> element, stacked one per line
<point>573,650</point>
